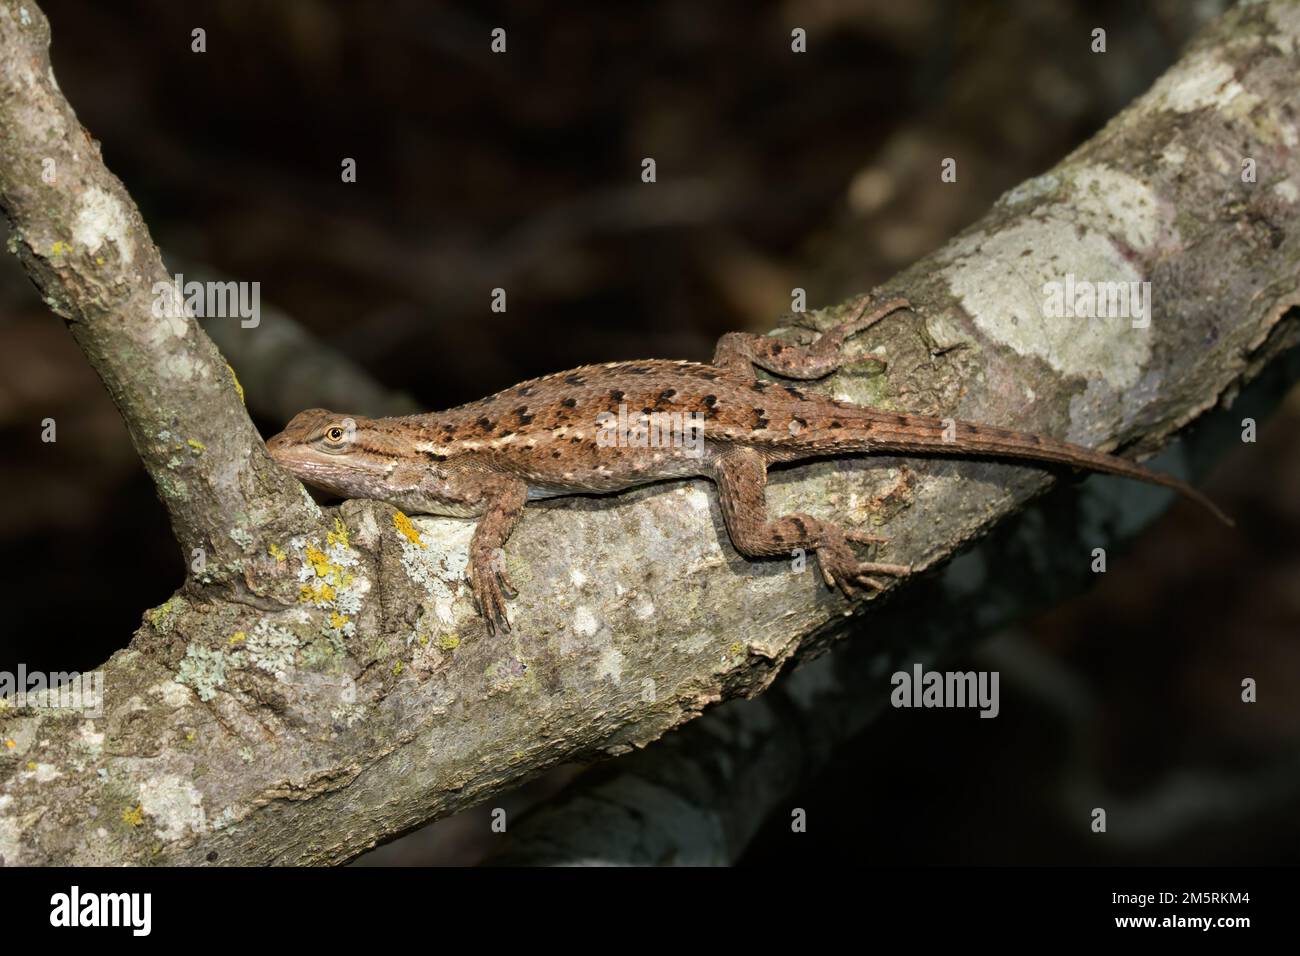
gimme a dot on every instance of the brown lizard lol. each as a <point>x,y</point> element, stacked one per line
<point>576,432</point>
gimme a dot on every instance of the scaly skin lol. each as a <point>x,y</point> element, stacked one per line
<point>558,435</point>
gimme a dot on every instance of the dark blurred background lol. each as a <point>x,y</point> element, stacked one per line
<point>522,171</point>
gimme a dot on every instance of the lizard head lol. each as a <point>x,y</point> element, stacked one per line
<point>335,453</point>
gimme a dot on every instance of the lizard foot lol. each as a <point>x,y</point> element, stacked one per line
<point>490,586</point>
<point>841,568</point>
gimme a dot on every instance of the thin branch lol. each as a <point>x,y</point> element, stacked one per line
<point>82,241</point>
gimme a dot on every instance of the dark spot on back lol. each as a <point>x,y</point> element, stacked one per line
<point>710,400</point>
<point>569,403</point>
<point>525,390</point>
<point>485,423</point>
<point>521,413</point>
<point>575,379</point>
<point>667,393</point>
<point>794,392</point>
<point>616,395</point>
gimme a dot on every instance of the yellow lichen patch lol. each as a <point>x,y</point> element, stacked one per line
<point>317,594</point>
<point>197,445</point>
<point>238,637</point>
<point>736,647</point>
<point>339,535</point>
<point>397,668</point>
<point>99,260</point>
<point>60,248</point>
<point>326,583</point>
<point>406,529</point>
<point>335,575</point>
<point>277,552</point>
<point>31,765</point>
<point>133,816</point>
<point>11,743</point>
<point>319,561</point>
<point>449,642</point>
<point>234,378</point>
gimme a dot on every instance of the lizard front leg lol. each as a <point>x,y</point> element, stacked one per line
<point>741,476</point>
<point>739,352</point>
<point>505,500</point>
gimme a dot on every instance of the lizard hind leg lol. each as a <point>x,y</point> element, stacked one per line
<point>741,476</point>
<point>739,352</point>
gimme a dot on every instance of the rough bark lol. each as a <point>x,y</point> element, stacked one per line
<point>239,728</point>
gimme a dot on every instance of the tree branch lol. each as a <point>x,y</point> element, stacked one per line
<point>80,238</point>
<point>237,730</point>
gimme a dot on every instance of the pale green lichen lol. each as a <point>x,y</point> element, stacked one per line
<point>268,647</point>
<point>203,669</point>
<point>271,648</point>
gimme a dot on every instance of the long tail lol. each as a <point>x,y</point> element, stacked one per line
<point>911,434</point>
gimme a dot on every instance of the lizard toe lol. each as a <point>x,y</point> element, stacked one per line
<point>491,602</point>
<point>893,570</point>
<point>861,537</point>
<point>507,586</point>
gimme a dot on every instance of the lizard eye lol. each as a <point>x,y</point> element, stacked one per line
<point>335,434</point>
